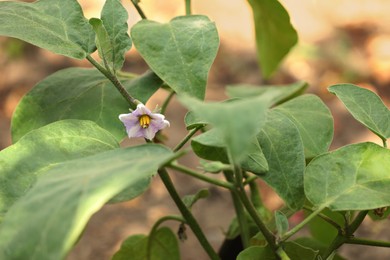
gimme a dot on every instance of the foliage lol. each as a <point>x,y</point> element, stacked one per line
<point>66,162</point>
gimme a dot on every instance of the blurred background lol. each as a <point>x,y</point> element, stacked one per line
<point>339,41</point>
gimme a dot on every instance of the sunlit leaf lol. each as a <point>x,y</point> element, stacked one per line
<point>78,93</point>
<point>21,163</point>
<point>354,177</point>
<point>54,212</point>
<point>179,52</point>
<point>55,25</point>
<point>275,35</point>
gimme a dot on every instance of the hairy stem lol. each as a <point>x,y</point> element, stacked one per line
<point>166,102</point>
<point>367,242</point>
<point>188,7</point>
<point>186,138</point>
<point>139,10</point>
<point>118,85</point>
<point>187,215</point>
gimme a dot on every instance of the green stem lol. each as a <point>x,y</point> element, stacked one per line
<point>186,138</point>
<point>118,85</point>
<point>249,180</point>
<point>139,10</point>
<point>166,102</point>
<point>240,211</point>
<point>187,215</point>
<point>384,143</point>
<point>343,237</point>
<point>367,242</point>
<point>255,195</point>
<point>299,226</point>
<point>200,176</point>
<point>188,7</point>
<point>154,230</point>
<point>325,218</point>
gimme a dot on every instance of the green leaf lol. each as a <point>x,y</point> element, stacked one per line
<point>214,167</point>
<point>236,122</point>
<point>211,146</point>
<point>77,93</point>
<point>163,245</point>
<point>281,222</point>
<point>354,177</point>
<point>313,120</point>
<point>114,17</point>
<point>366,107</point>
<point>103,43</point>
<point>190,200</point>
<point>192,121</point>
<point>283,149</point>
<point>275,35</point>
<point>180,52</point>
<point>21,163</point>
<point>56,25</point>
<point>292,249</point>
<point>316,246</point>
<point>281,93</point>
<point>54,212</point>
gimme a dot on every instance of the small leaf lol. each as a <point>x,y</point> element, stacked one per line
<point>210,146</point>
<point>214,167</point>
<point>163,245</point>
<point>313,120</point>
<point>282,147</point>
<point>190,200</point>
<point>236,122</point>
<point>281,222</point>
<point>316,246</point>
<point>77,93</point>
<point>114,17</point>
<point>192,121</point>
<point>54,212</point>
<point>56,25</point>
<point>281,93</point>
<point>180,52</point>
<point>103,42</point>
<point>354,177</point>
<point>21,163</point>
<point>366,107</point>
<point>275,35</point>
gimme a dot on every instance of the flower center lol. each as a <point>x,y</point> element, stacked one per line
<point>144,121</point>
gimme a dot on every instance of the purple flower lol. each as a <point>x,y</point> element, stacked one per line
<point>143,123</point>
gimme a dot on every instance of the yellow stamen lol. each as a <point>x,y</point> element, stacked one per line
<point>144,121</point>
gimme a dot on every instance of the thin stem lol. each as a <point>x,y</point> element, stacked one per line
<point>188,7</point>
<point>255,195</point>
<point>186,138</point>
<point>166,102</point>
<point>249,180</point>
<point>240,211</point>
<point>200,176</point>
<point>154,230</point>
<point>367,242</point>
<point>325,218</point>
<point>191,221</point>
<point>139,10</point>
<point>118,85</point>
<point>384,142</point>
<point>299,226</point>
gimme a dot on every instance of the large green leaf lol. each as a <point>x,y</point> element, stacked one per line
<point>56,25</point>
<point>366,107</point>
<point>180,52</point>
<point>114,17</point>
<point>275,35</point>
<point>210,146</point>
<point>281,93</point>
<point>236,122</point>
<point>163,245</point>
<point>48,220</point>
<point>354,177</point>
<point>313,120</point>
<point>21,163</point>
<point>103,43</point>
<point>77,93</point>
<point>283,149</point>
